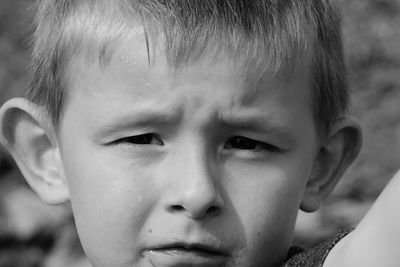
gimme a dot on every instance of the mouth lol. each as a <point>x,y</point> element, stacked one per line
<point>182,254</point>
<point>197,249</point>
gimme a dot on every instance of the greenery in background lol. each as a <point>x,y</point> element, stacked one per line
<point>33,234</point>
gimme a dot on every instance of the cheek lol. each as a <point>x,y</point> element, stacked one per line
<point>109,204</point>
<point>266,188</point>
<point>266,199</point>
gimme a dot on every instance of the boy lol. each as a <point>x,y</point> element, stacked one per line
<point>186,133</point>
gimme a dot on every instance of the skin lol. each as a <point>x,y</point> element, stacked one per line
<point>154,161</point>
<point>379,229</point>
<point>188,181</point>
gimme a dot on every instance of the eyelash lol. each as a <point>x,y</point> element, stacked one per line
<point>247,144</point>
<point>235,142</point>
<point>141,140</point>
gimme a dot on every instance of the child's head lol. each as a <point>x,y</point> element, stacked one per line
<point>185,133</point>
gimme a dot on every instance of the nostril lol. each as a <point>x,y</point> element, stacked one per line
<point>176,208</point>
<point>210,211</point>
<point>213,210</point>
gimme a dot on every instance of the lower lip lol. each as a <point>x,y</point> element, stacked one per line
<point>175,257</point>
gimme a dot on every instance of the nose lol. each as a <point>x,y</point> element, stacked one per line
<point>196,189</point>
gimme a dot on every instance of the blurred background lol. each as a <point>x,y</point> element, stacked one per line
<point>34,234</point>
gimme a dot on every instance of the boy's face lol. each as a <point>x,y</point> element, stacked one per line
<point>198,166</point>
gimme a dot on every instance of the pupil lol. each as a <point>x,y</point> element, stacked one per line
<point>244,143</point>
<point>143,139</point>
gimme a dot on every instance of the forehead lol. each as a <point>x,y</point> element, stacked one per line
<point>138,57</point>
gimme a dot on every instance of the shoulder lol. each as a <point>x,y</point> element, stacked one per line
<point>313,257</point>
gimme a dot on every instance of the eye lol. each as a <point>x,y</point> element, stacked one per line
<point>244,143</point>
<point>142,139</point>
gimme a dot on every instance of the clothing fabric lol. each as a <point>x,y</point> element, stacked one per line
<point>313,257</point>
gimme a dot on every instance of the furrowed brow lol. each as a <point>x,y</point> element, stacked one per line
<point>261,125</point>
<point>137,119</point>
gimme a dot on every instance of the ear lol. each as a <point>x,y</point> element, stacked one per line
<point>335,155</point>
<point>26,132</point>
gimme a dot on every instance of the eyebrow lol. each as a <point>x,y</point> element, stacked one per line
<point>137,118</point>
<point>258,124</point>
<point>147,118</point>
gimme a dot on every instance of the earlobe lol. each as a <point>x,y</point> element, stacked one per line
<point>26,133</point>
<point>334,157</point>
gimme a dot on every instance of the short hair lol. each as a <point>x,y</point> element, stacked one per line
<point>270,34</point>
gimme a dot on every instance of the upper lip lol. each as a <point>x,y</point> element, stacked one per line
<point>205,248</point>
